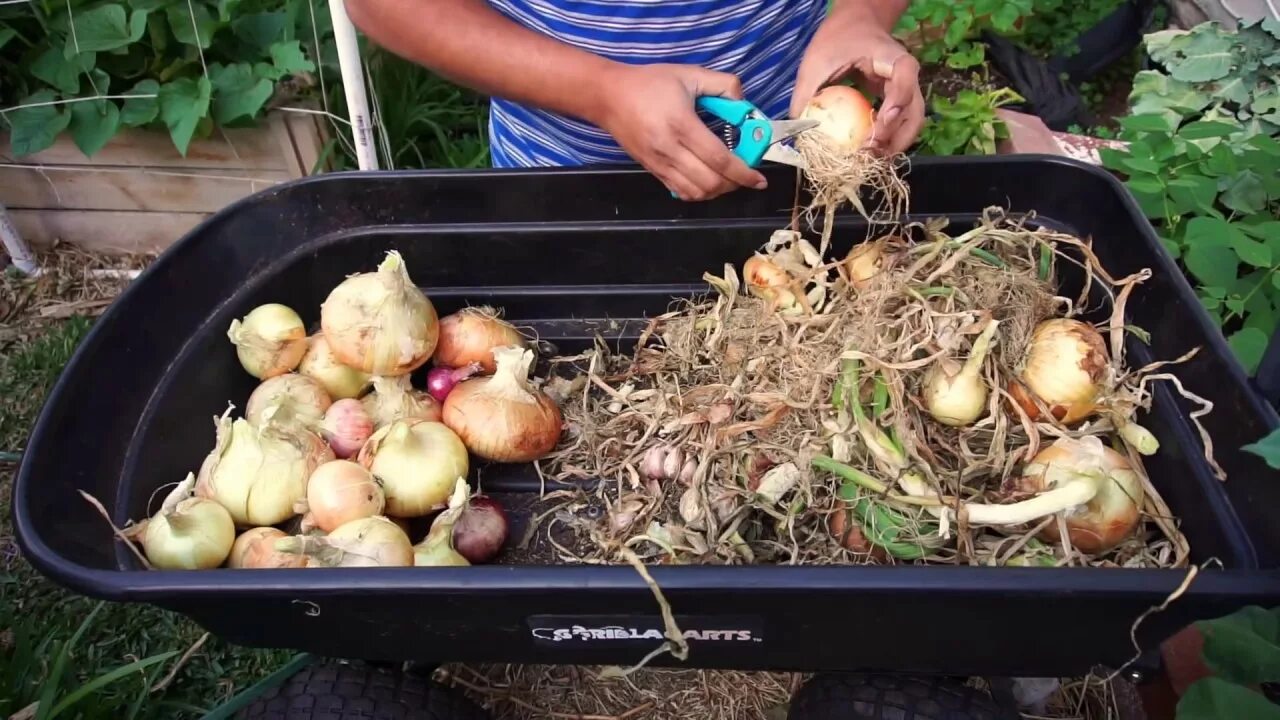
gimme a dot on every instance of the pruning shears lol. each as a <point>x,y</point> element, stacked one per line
<point>757,137</point>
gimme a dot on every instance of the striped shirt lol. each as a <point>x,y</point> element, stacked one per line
<point>760,41</point>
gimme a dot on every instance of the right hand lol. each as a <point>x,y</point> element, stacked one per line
<point>650,112</point>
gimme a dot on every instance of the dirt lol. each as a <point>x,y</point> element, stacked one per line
<point>943,81</point>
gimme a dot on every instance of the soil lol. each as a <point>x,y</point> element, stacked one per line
<point>942,81</point>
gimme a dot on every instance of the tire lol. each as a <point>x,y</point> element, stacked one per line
<point>837,696</point>
<point>338,691</point>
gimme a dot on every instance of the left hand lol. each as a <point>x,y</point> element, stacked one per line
<point>854,43</point>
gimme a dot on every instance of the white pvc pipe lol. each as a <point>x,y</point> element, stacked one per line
<point>344,36</point>
<point>19,252</point>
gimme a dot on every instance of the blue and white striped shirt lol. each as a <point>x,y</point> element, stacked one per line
<point>760,41</point>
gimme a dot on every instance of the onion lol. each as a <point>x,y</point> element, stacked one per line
<point>470,335</point>
<point>340,491</point>
<point>269,341</point>
<point>1110,513</point>
<point>188,533</point>
<point>323,366</point>
<point>258,472</point>
<point>365,542</point>
<point>848,532</point>
<point>768,281</point>
<point>843,115</point>
<point>380,322</point>
<point>306,397</point>
<point>256,548</point>
<point>442,380</point>
<point>418,462</point>
<point>1065,366</point>
<point>347,427</point>
<point>481,531</point>
<point>501,417</point>
<point>864,263</point>
<point>957,396</point>
<point>437,550</point>
<point>394,398</point>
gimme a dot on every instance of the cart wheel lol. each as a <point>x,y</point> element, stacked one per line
<point>338,691</point>
<point>835,696</point>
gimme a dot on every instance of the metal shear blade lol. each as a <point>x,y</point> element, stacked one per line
<point>785,130</point>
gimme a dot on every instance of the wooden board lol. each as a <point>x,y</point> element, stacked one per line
<point>247,148</point>
<point>85,187</point>
<point>106,231</point>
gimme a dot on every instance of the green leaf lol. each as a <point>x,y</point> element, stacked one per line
<point>185,30</point>
<point>183,103</point>
<point>260,30</point>
<point>1268,448</point>
<point>1248,345</point>
<point>1202,129</point>
<point>1138,164</point>
<point>1245,193</point>
<point>1213,698</point>
<point>1202,57</point>
<point>1192,193</point>
<point>105,27</point>
<point>53,67</point>
<point>1267,231</point>
<point>1251,251</point>
<point>7,34</point>
<point>141,111</point>
<point>1145,183</point>
<point>1219,161</point>
<point>32,129</point>
<point>289,58</point>
<point>1212,264</point>
<point>1005,18</point>
<point>93,123</point>
<point>1211,232</point>
<point>150,5</point>
<point>237,93</point>
<point>1147,122</point>
<point>1235,304</point>
<point>968,55</point>
<point>1272,25</point>
<point>1244,647</point>
<point>1111,157</point>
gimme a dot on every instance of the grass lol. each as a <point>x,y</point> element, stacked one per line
<point>140,643</point>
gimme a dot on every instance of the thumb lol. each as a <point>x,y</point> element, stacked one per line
<point>712,82</point>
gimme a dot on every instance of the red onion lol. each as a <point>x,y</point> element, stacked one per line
<point>442,380</point>
<point>481,531</point>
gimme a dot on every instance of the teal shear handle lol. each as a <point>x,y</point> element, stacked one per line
<point>755,132</point>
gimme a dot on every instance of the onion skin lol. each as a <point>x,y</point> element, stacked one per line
<point>270,340</point>
<point>380,322</point>
<point>442,380</point>
<point>766,280</point>
<point>255,549</point>
<point>843,115</point>
<point>320,364</point>
<point>394,398</point>
<point>340,491</point>
<point>849,534</point>
<point>307,398</point>
<point>470,336</point>
<point>367,542</point>
<point>195,534</point>
<point>481,531</point>
<point>418,463</point>
<point>500,417</point>
<point>1113,513</point>
<point>864,264</point>
<point>347,427</point>
<point>1066,363</point>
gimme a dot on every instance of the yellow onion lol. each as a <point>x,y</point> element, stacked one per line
<point>365,542</point>
<point>470,335</point>
<point>843,115</point>
<point>766,280</point>
<point>864,263</point>
<point>306,397</point>
<point>340,491</point>
<point>417,462</point>
<point>394,398</point>
<point>437,550</point>
<point>957,396</point>
<point>380,322</point>
<point>269,341</point>
<point>501,417</point>
<point>256,549</point>
<point>347,427</point>
<point>259,472</point>
<point>1110,512</point>
<point>1066,364</point>
<point>188,533</point>
<point>320,364</point>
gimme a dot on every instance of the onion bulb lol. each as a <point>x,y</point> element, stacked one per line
<point>340,491</point>
<point>501,417</point>
<point>394,398</point>
<point>437,549</point>
<point>320,364</point>
<point>442,380</point>
<point>347,427</point>
<point>380,322</point>
<point>258,472</point>
<point>843,115</point>
<point>957,396</point>
<point>306,398</point>
<point>188,533</point>
<point>1066,364</point>
<point>768,281</point>
<point>864,263</point>
<point>365,542</point>
<point>256,548</point>
<point>269,341</point>
<point>470,335</point>
<point>1110,492</point>
<point>418,462</point>
<point>481,530</point>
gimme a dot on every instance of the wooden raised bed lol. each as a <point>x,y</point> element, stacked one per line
<point>138,194</point>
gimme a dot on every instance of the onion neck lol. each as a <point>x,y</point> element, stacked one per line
<point>510,378</point>
<point>981,347</point>
<point>1077,491</point>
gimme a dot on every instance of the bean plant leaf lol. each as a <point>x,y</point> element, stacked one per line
<point>150,5</point>
<point>1244,193</point>
<point>1243,647</point>
<point>237,92</point>
<point>183,103</point>
<point>1192,193</point>
<point>1155,92</point>
<point>289,58</point>
<point>93,124</point>
<point>1201,129</point>
<point>1146,122</point>
<point>32,129</point>
<point>1268,448</point>
<point>1213,698</point>
<point>105,27</point>
<point>1211,231</point>
<point>1272,25</point>
<point>139,111</point>
<point>6,34</point>
<point>1248,345</point>
<point>260,30</point>
<point>192,23</point>
<point>1251,251</point>
<point>1198,56</point>
<point>63,73</point>
<point>1212,264</point>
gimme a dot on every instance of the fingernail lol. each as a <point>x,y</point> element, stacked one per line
<point>761,184</point>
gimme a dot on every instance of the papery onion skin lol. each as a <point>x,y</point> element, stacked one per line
<point>864,264</point>
<point>307,397</point>
<point>340,491</point>
<point>843,115</point>
<point>366,542</point>
<point>1105,521</point>
<point>846,530</point>
<point>347,427</point>
<point>320,364</point>
<point>1066,364</point>
<point>470,336</point>
<point>417,463</point>
<point>501,417</point>
<point>196,534</point>
<point>394,398</point>
<point>269,341</point>
<point>481,531</point>
<point>255,549</point>
<point>766,280</point>
<point>380,322</point>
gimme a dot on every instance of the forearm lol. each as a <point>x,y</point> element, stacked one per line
<point>471,44</point>
<point>884,13</point>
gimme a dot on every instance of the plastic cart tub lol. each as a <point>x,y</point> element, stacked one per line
<point>575,252</point>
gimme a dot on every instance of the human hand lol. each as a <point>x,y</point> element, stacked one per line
<point>851,42</point>
<point>650,112</point>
